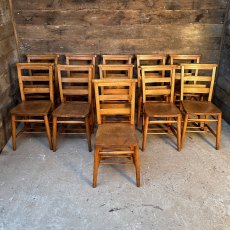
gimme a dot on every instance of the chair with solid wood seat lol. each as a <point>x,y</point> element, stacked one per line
<point>115,139</point>
<point>85,59</point>
<point>177,60</point>
<point>158,107</point>
<point>33,111</point>
<point>201,82</point>
<point>114,72</point>
<point>76,99</point>
<point>146,60</point>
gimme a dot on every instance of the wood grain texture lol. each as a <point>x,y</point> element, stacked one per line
<point>8,79</point>
<point>121,27</point>
<point>119,5</point>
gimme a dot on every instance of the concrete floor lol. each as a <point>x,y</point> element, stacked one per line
<point>41,189</point>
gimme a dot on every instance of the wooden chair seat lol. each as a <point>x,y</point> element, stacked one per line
<point>161,109</point>
<point>122,134</point>
<point>200,107</point>
<point>32,108</point>
<point>72,109</point>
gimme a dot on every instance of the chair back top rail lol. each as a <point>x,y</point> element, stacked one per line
<point>119,104</point>
<point>116,69</point>
<point>199,83</point>
<point>43,58</point>
<point>107,59</point>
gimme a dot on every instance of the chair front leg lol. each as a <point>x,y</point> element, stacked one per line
<point>179,133</point>
<point>218,131</point>
<point>54,133</point>
<point>96,165</point>
<point>139,107</point>
<point>184,129</point>
<point>46,120</point>
<point>145,131</point>
<point>137,165</point>
<point>13,123</point>
<point>88,133</point>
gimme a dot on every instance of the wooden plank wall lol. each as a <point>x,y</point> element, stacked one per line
<point>121,26</point>
<point>222,89</point>
<point>9,90</point>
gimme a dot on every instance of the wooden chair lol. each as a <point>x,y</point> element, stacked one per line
<point>200,83</point>
<point>146,60</point>
<point>85,59</point>
<point>178,59</point>
<point>33,111</point>
<point>118,139</point>
<point>116,59</point>
<point>158,105</point>
<point>76,98</point>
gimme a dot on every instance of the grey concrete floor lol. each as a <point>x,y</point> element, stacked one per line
<point>41,189</point>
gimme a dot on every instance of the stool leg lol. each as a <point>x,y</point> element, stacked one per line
<point>48,130</point>
<point>96,165</point>
<point>88,133</point>
<point>54,133</point>
<point>13,123</point>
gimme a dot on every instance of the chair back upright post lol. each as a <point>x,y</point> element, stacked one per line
<point>201,82</point>
<point>30,85</point>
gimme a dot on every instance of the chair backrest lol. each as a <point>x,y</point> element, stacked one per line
<point>81,59</point>
<point>158,87</point>
<point>43,58</point>
<point>75,81</point>
<point>201,82</point>
<point>116,59</point>
<point>116,71</point>
<point>122,104</point>
<point>149,59</point>
<point>181,58</point>
<point>37,86</point>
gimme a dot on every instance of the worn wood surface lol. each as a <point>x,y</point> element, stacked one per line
<point>8,83</point>
<point>121,27</point>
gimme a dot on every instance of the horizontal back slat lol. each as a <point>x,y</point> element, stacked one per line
<point>114,97</point>
<point>75,92</point>
<point>158,92</point>
<point>74,79</point>
<point>36,90</point>
<point>198,78</point>
<point>35,78</point>
<point>196,90</point>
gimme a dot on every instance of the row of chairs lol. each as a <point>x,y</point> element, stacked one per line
<point>115,96</point>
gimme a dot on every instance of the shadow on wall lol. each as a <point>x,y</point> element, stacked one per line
<point>13,94</point>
